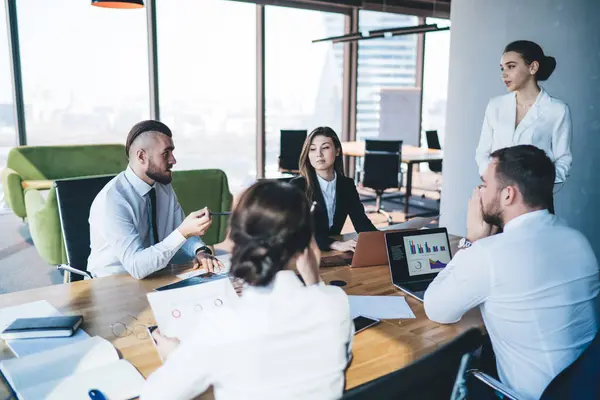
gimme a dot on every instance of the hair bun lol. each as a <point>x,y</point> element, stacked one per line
<point>547,66</point>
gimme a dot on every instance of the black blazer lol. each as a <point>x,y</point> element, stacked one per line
<point>347,203</point>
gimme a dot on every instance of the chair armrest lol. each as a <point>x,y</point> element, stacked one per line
<point>13,192</point>
<point>68,268</point>
<point>495,384</point>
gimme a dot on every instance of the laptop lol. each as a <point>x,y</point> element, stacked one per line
<point>416,257</point>
<point>370,251</point>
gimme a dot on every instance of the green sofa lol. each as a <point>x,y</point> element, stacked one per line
<point>194,189</point>
<point>57,162</point>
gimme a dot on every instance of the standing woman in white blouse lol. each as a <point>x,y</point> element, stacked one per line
<point>528,114</point>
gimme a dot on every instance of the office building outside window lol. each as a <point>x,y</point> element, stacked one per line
<point>386,63</point>
<point>303,79</point>
<point>207,80</point>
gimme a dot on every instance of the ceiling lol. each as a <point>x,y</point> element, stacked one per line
<point>422,8</point>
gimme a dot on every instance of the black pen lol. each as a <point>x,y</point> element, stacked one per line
<point>220,213</point>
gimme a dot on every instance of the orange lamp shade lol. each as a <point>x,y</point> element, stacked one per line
<point>118,3</point>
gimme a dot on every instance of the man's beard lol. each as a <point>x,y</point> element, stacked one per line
<point>159,176</point>
<point>494,218</point>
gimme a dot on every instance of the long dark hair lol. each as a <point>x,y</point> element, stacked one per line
<point>531,51</point>
<point>307,170</point>
<point>270,224</point>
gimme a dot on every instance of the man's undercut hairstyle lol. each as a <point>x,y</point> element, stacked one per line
<point>143,127</point>
<point>528,168</point>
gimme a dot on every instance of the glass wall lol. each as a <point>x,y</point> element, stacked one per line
<point>303,79</point>
<point>207,81</point>
<point>8,136</point>
<point>435,79</point>
<point>85,71</point>
<point>385,64</point>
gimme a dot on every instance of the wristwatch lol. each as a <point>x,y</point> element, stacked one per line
<point>464,243</point>
<point>205,249</point>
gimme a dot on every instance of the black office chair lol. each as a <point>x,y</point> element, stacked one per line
<point>580,380</point>
<point>433,142</point>
<point>75,197</point>
<point>291,142</point>
<point>431,377</point>
<point>381,170</point>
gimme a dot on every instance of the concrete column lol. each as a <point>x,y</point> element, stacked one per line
<point>567,30</point>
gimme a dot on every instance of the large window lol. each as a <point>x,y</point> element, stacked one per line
<point>85,71</point>
<point>384,65</point>
<point>8,137</point>
<point>207,72</point>
<point>303,79</point>
<point>435,79</point>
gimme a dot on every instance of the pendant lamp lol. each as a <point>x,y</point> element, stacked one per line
<point>118,3</point>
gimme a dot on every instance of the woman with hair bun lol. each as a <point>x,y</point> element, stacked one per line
<point>528,114</point>
<point>285,339</point>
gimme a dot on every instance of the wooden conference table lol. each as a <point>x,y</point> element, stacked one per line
<point>410,155</point>
<point>379,350</point>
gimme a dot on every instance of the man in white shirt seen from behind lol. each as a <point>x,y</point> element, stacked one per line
<point>535,283</point>
<point>136,223</point>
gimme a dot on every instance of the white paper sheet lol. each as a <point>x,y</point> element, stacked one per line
<point>177,310</point>
<point>36,309</point>
<point>382,307</point>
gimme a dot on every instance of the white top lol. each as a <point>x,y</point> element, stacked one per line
<point>536,286</point>
<point>285,341</point>
<point>328,190</point>
<point>547,125</point>
<point>120,228</point>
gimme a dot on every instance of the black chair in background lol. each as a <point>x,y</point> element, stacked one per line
<point>580,380</point>
<point>291,142</point>
<point>431,377</point>
<point>75,197</point>
<point>381,170</point>
<point>433,142</point>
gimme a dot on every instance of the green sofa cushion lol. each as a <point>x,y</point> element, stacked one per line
<point>57,162</point>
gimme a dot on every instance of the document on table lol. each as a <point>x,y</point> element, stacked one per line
<point>224,258</point>
<point>177,310</point>
<point>381,307</point>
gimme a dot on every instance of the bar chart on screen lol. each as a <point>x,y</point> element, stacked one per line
<point>426,254</point>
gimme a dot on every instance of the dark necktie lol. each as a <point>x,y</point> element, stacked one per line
<point>153,216</point>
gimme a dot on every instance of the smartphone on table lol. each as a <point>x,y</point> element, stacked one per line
<point>361,323</point>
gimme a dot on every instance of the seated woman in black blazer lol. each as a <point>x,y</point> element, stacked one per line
<point>322,179</point>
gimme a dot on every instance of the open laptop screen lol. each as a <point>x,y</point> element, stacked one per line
<point>417,255</point>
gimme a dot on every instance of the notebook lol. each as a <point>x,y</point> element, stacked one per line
<point>71,371</point>
<point>35,309</point>
<point>28,328</point>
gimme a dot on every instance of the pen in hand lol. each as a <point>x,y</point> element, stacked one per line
<point>220,213</point>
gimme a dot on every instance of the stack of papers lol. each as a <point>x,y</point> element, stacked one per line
<point>23,347</point>
<point>380,307</point>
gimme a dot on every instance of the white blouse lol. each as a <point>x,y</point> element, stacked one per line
<point>284,341</point>
<point>547,125</point>
<point>328,188</point>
